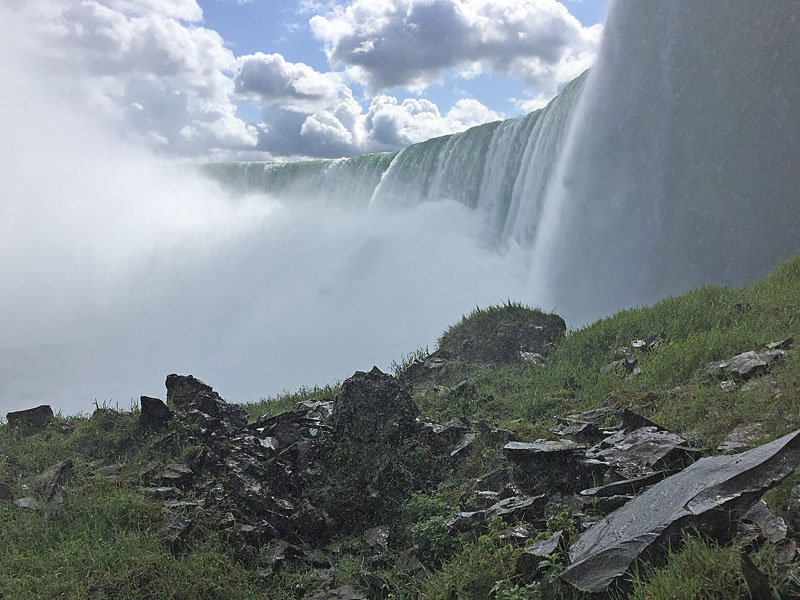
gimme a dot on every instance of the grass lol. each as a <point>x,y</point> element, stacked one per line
<point>102,541</point>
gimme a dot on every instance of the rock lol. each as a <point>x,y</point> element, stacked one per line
<point>28,503</point>
<point>550,466</point>
<point>154,412</point>
<point>745,365</point>
<point>51,481</point>
<point>173,530</point>
<point>6,493</point>
<point>530,558</point>
<point>345,592</point>
<point>625,486</point>
<point>464,444</point>
<point>651,343</point>
<point>372,406</point>
<point>782,345</point>
<point>756,581</point>
<point>277,554</point>
<point>642,451</point>
<point>615,366</point>
<point>699,496</point>
<point>515,508</point>
<point>580,431</point>
<point>377,539</point>
<point>161,492</point>
<point>176,475</point>
<point>499,336</point>
<point>603,505</point>
<point>188,393</point>
<point>771,527</point>
<point>495,481</point>
<point>33,418</point>
<point>741,437</point>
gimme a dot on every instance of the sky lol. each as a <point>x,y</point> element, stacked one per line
<point>283,79</point>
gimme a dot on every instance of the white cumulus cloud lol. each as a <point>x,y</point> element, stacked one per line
<point>413,43</point>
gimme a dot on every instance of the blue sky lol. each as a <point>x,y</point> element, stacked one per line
<point>288,79</point>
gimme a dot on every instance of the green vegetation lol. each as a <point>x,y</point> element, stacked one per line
<point>102,540</point>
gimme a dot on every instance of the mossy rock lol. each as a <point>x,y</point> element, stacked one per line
<point>499,335</point>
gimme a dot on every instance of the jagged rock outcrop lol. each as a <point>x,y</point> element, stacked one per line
<point>370,406</point>
<point>154,413</point>
<point>700,495</point>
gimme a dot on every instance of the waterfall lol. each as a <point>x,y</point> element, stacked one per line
<point>675,162</point>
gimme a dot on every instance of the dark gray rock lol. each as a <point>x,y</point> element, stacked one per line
<point>34,418</point>
<point>464,444</point>
<point>643,451</point>
<point>173,531</point>
<point>701,496</point>
<point>372,406</point>
<point>179,475</point>
<point>187,393</point>
<point>771,527</point>
<point>550,466</point>
<point>6,493</point>
<point>782,345</point>
<point>745,365</point>
<point>276,555</point>
<point>625,486</point>
<point>161,492</point>
<point>742,436</point>
<point>515,508</point>
<point>530,558</point>
<point>51,482</point>
<point>345,592</point>
<point>580,431</point>
<point>154,413</point>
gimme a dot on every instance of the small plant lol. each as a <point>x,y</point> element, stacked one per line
<point>506,589</point>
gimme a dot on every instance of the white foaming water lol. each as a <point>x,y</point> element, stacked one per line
<point>673,163</point>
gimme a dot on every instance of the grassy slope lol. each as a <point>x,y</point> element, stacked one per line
<point>102,541</point>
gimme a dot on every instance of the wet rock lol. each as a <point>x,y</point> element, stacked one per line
<point>345,592</point>
<point>701,496</point>
<point>174,530</point>
<point>178,475</point>
<point>742,436</point>
<point>649,344</point>
<point>51,481</point>
<point>550,466</point>
<point>643,451</point>
<point>782,345</point>
<point>771,527</point>
<point>277,554</point>
<point>161,492</point>
<point>532,556</point>
<point>33,418</point>
<point>28,503</point>
<point>6,493</point>
<point>185,392</point>
<point>371,406</point>
<point>745,365</point>
<point>501,339</point>
<point>154,413</point>
<point>579,431</point>
<point>515,508</point>
<point>625,486</point>
<point>464,444</point>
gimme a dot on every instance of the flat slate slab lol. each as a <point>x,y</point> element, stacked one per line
<point>692,497</point>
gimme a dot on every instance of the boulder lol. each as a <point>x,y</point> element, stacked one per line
<point>746,365</point>
<point>700,496</point>
<point>503,335</point>
<point>154,412</point>
<point>34,418</point>
<point>372,406</point>
<point>551,466</point>
<point>771,527</point>
<point>187,393</point>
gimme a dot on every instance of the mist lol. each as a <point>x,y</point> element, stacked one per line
<point>120,266</point>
